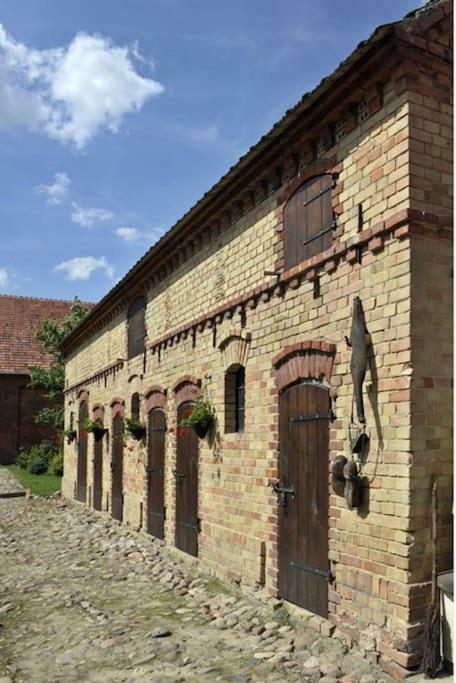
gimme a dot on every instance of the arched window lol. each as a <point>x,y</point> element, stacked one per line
<point>135,406</point>
<point>136,327</point>
<point>235,399</point>
<point>308,220</point>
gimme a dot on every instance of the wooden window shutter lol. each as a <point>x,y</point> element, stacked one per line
<point>308,220</point>
<point>135,407</point>
<point>136,327</point>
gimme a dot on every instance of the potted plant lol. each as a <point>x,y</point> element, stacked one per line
<point>69,435</point>
<point>135,428</point>
<point>200,417</point>
<point>94,427</point>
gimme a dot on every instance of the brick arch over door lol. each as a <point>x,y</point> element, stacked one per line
<point>155,397</point>
<point>98,411</point>
<point>187,388</point>
<point>117,406</point>
<point>83,395</point>
<point>310,359</point>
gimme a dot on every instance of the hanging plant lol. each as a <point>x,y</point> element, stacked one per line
<point>93,427</point>
<point>135,428</point>
<point>200,417</point>
<point>69,435</point>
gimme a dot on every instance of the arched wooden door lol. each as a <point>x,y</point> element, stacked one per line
<point>303,496</point>
<point>81,483</point>
<point>117,467</point>
<point>156,473</point>
<point>186,475</point>
<point>98,472</point>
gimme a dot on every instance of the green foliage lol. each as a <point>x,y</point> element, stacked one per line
<point>37,464</point>
<point>50,380</point>
<point>23,459</point>
<point>201,413</point>
<point>134,427</point>
<point>39,453</point>
<point>90,426</point>
<point>39,484</point>
<point>56,464</point>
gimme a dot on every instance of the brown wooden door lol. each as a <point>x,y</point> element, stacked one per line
<point>186,475</point>
<point>303,497</point>
<point>97,473</point>
<point>156,473</point>
<point>117,467</point>
<point>81,483</point>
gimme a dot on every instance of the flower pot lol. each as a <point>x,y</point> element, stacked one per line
<point>99,433</point>
<point>138,433</point>
<point>202,428</point>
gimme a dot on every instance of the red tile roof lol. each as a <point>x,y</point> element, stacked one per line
<point>20,319</point>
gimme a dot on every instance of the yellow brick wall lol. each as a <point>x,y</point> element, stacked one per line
<point>370,549</point>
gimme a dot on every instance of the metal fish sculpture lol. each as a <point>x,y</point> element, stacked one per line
<point>359,342</point>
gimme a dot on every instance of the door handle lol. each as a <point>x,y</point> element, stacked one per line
<point>178,476</point>
<point>283,492</point>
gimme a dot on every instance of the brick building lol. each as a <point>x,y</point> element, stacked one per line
<point>247,300</point>
<point>20,319</point>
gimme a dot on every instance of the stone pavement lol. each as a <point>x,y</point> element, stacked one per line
<point>83,598</point>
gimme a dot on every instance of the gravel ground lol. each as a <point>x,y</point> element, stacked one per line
<point>85,599</point>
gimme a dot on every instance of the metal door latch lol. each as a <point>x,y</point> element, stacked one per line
<point>283,492</point>
<point>178,476</point>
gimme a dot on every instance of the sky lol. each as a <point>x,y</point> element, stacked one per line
<point>115,117</point>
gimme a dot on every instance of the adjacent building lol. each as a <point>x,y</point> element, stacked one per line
<point>20,319</point>
<point>248,300</point>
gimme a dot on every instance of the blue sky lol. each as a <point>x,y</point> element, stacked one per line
<point>115,117</point>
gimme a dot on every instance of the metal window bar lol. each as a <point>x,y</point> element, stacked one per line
<point>319,194</point>
<point>320,233</point>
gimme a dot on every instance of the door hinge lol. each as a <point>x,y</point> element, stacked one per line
<point>312,570</point>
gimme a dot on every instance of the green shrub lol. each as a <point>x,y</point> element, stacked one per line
<point>56,464</point>
<point>37,464</point>
<point>23,459</point>
<point>40,452</point>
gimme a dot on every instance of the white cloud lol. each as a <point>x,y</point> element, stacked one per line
<point>4,279</point>
<point>134,235</point>
<point>74,92</point>
<point>88,217</point>
<point>57,190</point>
<point>82,267</point>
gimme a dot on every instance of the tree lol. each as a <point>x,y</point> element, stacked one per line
<point>51,380</point>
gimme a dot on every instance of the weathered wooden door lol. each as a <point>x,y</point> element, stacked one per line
<point>81,482</point>
<point>186,475</point>
<point>117,467</point>
<point>303,496</point>
<point>97,473</point>
<point>156,473</point>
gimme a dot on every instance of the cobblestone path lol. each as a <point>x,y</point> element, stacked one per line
<point>85,599</point>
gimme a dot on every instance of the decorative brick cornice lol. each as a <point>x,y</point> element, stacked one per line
<point>259,174</point>
<point>104,372</point>
<point>310,359</point>
<point>404,223</point>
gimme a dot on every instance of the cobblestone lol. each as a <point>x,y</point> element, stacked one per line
<point>83,598</point>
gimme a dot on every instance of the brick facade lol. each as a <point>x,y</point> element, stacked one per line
<point>20,320</point>
<point>218,296</point>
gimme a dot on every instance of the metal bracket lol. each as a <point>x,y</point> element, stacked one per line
<point>312,570</point>
<point>320,233</point>
<point>309,418</point>
<point>319,194</point>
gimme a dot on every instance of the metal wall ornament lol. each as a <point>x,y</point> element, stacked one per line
<point>360,343</point>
